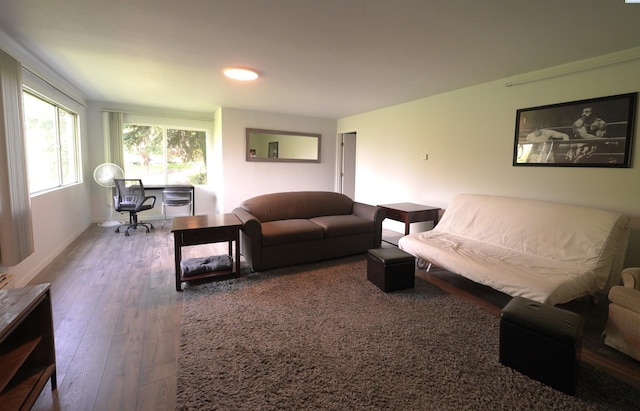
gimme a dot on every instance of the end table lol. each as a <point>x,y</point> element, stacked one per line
<point>411,213</point>
<point>205,229</point>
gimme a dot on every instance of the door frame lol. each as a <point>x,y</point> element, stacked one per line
<point>340,161</point>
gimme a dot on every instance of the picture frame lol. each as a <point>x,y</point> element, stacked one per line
<point>595,132</point>
<point>273,149</point>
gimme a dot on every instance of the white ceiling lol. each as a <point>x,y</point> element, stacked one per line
<point>322,58</point>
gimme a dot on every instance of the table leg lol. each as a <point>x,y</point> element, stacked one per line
<point>193,201</point>
<point>177,244</point>
<point>238,256</point>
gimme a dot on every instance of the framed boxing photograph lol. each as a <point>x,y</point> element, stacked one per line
<point>596,132</point>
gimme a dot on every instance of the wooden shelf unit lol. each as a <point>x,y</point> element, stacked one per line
<point>27,351</point>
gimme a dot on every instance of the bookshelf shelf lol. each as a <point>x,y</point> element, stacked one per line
<point>27,349</point>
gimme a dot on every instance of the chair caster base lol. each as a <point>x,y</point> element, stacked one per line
<point>148,226</point>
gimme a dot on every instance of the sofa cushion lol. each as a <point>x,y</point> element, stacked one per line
<point>288,231</point>
<point>339,225</point>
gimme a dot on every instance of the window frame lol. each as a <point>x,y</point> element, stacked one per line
<point>74,154</point>
<point>170,123</point>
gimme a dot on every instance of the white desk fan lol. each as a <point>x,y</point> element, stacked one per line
<point>104,175</point>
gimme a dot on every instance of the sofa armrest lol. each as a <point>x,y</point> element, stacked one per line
<point>368,211</point>
<point>250,237</point>
<point>372,213</point>
<point>250,224</point>
<point>631,277</point>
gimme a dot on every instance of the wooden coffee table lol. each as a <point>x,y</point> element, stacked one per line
<point>205,229</point>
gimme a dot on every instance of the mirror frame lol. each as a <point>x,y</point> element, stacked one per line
<point>249,131</point>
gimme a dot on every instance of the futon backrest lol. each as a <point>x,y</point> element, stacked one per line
<point>568,233</point>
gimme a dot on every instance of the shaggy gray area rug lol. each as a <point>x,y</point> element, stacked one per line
<point>322,337</point>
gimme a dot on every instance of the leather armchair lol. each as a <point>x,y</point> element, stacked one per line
<point>622,330</point>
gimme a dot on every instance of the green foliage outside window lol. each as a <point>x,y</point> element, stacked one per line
<point>165,156</point>
<point>51,144</point>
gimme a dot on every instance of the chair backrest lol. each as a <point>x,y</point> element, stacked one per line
<point>129,193</point>
<point>177,196</point>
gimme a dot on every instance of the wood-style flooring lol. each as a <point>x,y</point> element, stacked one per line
<point>117,320</point>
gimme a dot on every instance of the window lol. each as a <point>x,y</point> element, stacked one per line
<point>51,144</point>
<point>162,155</point>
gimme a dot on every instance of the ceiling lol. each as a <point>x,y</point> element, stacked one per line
<point>321,58</point>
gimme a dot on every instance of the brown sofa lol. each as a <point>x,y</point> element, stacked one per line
<point>283,229</point>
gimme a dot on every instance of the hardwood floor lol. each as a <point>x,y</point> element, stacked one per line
<point>117,320</point>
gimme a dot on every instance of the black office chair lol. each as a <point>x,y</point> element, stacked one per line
<point>130,197</point>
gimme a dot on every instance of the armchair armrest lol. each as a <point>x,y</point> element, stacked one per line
<point>144,201</point>
<point>631,277</point>
<point>626,297</point>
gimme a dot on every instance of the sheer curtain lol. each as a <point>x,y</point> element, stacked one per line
<point>16,230</point>
<point>113,137</point>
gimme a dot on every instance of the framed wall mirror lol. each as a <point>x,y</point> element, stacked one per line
<point>282,146</point>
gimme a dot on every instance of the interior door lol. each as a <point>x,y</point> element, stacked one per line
<point>348,143</point>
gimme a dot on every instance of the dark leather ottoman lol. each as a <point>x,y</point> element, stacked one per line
<point>542,342</point>
<point>390,269</point>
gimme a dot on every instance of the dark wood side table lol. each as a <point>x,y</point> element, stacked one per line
<point>411,213</point>
<point>205,229</point>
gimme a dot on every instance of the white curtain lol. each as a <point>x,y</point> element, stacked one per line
<point>16,230</point>
<point>113,137</point>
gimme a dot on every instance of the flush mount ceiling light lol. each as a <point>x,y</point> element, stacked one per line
<point>243,74</point>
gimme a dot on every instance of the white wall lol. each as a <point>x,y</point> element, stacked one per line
<point>469,136</point>
<point>243,179</point>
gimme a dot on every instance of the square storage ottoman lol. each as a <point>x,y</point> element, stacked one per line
<point>542,342</point>
<point>390,269</point>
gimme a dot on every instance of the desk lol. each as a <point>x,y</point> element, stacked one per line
<point>410,213</point>
<point>162,187</point>
<point>205,229</point>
